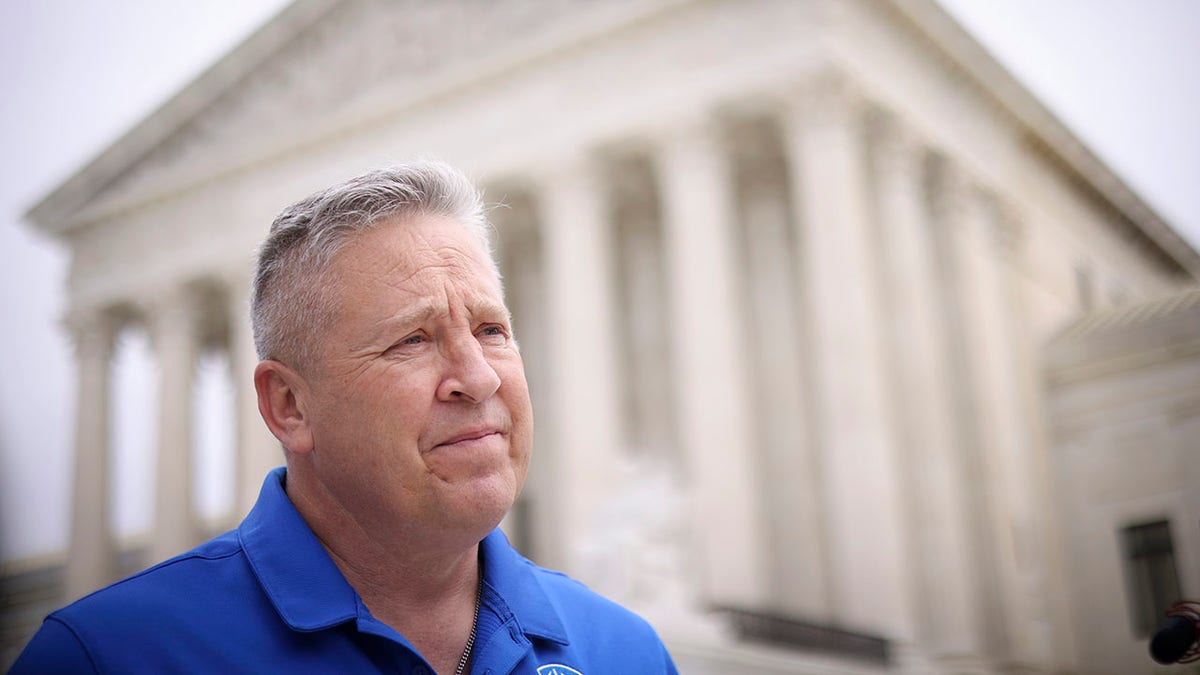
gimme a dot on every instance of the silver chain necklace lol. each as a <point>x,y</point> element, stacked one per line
<point>466,656</point>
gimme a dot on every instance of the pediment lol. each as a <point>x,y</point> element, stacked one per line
<point>316,59</point>
<point>319,62</point>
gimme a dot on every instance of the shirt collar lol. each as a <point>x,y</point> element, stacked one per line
<point>514,579</point>
<point>293,568</point>
<point>310,593</point>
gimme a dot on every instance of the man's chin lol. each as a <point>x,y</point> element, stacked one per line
<point>481,502</point>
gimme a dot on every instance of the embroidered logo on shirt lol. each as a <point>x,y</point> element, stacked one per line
<point>557,669</point>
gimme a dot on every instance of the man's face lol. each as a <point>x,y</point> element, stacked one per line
<point>419,406</point>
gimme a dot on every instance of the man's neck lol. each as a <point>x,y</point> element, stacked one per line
<point>427,594</point>
<point>435,609</point>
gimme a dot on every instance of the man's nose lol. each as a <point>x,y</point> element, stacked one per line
<point>468,375</point>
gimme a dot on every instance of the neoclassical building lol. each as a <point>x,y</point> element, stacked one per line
<point>787,276</point>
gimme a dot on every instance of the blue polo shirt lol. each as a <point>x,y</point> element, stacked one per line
<point>266,597</point>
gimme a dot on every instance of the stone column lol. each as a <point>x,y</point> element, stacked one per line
<point>1022,512</point>
<point>582,368</point>
<point>92,559</point>
<point>715,423</point>
<point>643,329</point>
<point>775,345</point>
<point>257,450</point>
<point>853,424</point>
<point>945,603</point>
<point>1052,632</point>
<point>995,441</point>
<point>173,326</point>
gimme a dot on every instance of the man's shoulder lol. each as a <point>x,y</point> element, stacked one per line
<point>207,570</point>
<point>585,611</point>
<point>600,634</point>
<point>186,596</point>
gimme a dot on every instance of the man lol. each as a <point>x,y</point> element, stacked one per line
<point>391,377</point>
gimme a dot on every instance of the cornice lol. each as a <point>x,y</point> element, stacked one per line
<point>1129,337</point>
<point>1047,130</point>
<point>53,213</point>
<point>80,199</point>
<point>376,106</point>
<point>1183,303</point>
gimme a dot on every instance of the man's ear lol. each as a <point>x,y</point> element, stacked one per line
<point>283,405</point>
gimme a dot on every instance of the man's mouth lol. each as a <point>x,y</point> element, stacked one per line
<point>469,436</point>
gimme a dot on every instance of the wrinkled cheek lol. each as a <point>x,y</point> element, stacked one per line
<point>520,466</point>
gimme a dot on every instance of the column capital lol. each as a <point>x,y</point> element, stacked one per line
<point>897,147</point>
<point>170,311</point>
<point>698,128</point>
<point>964,203</point>
<point>178,297</point>
<point>93,331</point>
<point>827,97</point>
<point>955,193</point>
<point>573,164</point>
<point>1010,231</point>
<point>630,186</point>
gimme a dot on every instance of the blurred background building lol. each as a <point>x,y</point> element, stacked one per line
<point>847,355</point>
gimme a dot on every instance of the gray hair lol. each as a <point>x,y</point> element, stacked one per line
<point>289,300</point>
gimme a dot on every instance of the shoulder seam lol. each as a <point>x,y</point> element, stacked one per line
<point>169,563</point>
<point>78,638</point>
<point>190,555</point>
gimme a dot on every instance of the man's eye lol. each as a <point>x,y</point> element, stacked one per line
<point>493,333</point>
<point>413,340</point>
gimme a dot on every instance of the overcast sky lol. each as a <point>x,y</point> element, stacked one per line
<point>1120,73</point>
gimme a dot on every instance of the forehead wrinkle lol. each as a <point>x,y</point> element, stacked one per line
<point>414,315</point>
<point>412,262</point>
<point>404,275</point>
<point>424,310</point>
<point>488,307</point>
<point>402,266</point>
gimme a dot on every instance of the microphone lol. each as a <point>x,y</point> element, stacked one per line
<point>1176,641</point>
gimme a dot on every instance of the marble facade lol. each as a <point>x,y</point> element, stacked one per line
<point>782,272</point>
